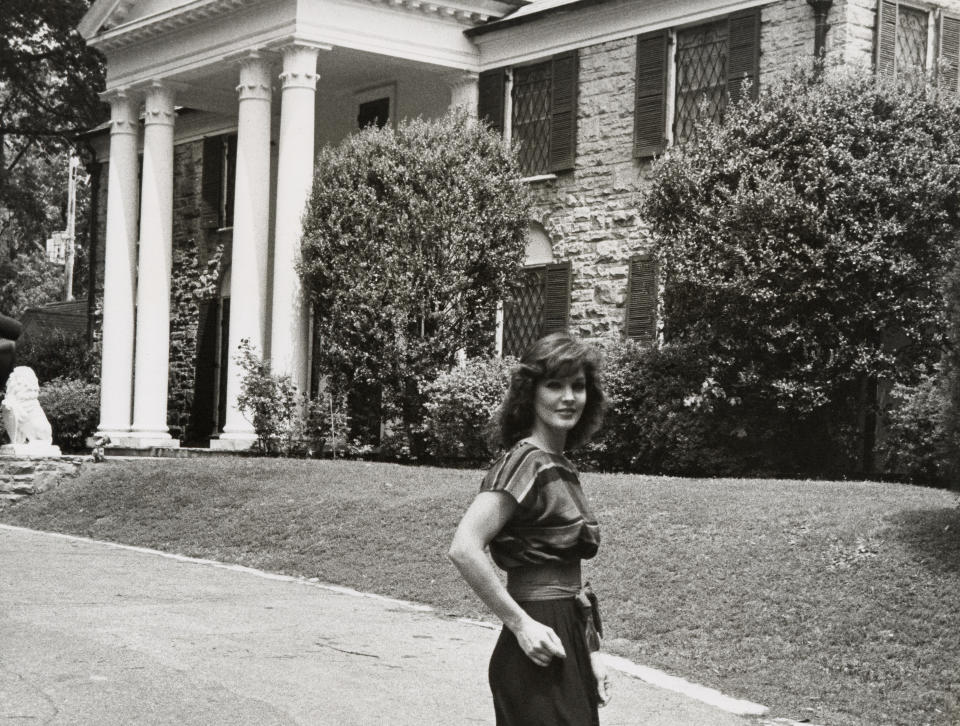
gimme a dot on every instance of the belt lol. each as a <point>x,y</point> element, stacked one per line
<point>557,581</point>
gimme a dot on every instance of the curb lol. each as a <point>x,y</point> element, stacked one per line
<point>654,677</point>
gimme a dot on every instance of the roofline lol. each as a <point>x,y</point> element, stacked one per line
<point>509,22</point>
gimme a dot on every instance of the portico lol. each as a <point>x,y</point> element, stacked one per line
<point>285,76</point>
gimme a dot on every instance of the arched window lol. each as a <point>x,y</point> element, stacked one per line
<point>542,304</point>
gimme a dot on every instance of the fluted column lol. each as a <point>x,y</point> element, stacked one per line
<point>152,359</point>
<point>248,269</point>
<point>465,93</point>
<point>288,331</point>
<point>119,268</point>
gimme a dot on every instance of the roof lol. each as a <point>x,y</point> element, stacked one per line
<point>534,10</point>
<point>66,317</point>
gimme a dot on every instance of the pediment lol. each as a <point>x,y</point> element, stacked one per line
<point>106,15</point>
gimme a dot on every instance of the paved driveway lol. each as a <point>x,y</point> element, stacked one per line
<point>92,633</point>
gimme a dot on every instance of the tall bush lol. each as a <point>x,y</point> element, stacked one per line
<point>411,236</point>
<point>802,245</point>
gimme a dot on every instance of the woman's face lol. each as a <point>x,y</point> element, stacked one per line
<point>558,402</point>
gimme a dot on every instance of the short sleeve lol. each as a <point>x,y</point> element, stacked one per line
<point>515,472</point>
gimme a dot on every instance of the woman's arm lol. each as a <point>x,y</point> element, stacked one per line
<point>484,518</point>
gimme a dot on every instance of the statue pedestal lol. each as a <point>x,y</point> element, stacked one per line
<point>30,450</point>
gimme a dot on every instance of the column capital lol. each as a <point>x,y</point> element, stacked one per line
<point>124,107</point>
<point>158,105</point>
<point>300,65</point>
<point>254,77</point>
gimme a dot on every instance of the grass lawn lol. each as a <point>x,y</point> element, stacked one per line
<point>837,602</point>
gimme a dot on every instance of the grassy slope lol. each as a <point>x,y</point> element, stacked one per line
<point>837,602</point>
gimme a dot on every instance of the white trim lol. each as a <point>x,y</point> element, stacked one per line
<point>537,178</point>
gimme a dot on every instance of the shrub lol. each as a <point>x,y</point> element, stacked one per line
<point>460,404</point>
<point>916,446</point>
<point>411,237</point>
<point>73,408</point>
<point>803,245</point>
<point>269,401</point>
<point>56,354</point>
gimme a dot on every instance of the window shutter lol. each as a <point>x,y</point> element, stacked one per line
<point>650,95</point>
<point>743,59</point>
<point>948,68</point>
<point>556,298</point>
<point>231,169</point>
<point>641,313</point>
<point>563,112</point>
<point>211,182</point>
<point>886,38</point>
<point>490,101</point>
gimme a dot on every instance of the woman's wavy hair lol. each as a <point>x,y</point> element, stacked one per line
<point>553,356</point>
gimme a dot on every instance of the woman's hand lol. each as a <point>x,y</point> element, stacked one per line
<point>540,643</point>
<point>603,679</point>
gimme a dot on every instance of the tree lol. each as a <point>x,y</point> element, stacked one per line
<point>411,237</point>
<point>49,84</point>
<point>803,244</point>
<point>49,78</point>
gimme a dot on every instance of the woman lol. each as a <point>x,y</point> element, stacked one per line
<point>545,669</point>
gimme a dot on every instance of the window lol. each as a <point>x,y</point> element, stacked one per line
<point>542,123</point>
<point>374,112</point>
<point>376,106</point>
<point>641,308</point>
<point>541,306</point>
<point>910,38</point>
<point>692,74</point>
<point>219,178</point>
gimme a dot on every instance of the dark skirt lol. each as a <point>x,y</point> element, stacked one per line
<point>563,693</point>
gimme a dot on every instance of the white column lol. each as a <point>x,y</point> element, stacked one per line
<point>152,359</point>
<point>119,269</point>
<point>464,93</point>
<point>289,325</point>
<point>248,269</point>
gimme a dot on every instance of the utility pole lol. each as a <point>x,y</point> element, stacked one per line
<point>70,235</point>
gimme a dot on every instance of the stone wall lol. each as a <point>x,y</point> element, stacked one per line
<point>23,476</point>
<point>196,267</point>
<point>591,213</point>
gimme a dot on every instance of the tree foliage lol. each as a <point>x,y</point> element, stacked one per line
<point>411,236</point>
<point>49,84</point>
<point>803,245</point>
<point>49,78</point>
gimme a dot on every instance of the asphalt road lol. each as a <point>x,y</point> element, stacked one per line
<point>92,633</point>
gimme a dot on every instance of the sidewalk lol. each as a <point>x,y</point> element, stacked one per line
<point>92,633</point>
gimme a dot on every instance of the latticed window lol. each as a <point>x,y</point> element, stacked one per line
<point>903,43</point>
<point>543,123</point>
<point>531,116</point>
<point>714,65</point>
<point>701,77</point>
<point>539,307</point>
<point>912,39</point>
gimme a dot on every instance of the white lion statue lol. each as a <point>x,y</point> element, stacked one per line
<point>22,415</point>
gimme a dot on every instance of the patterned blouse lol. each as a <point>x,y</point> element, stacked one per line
<point>553,522</point>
